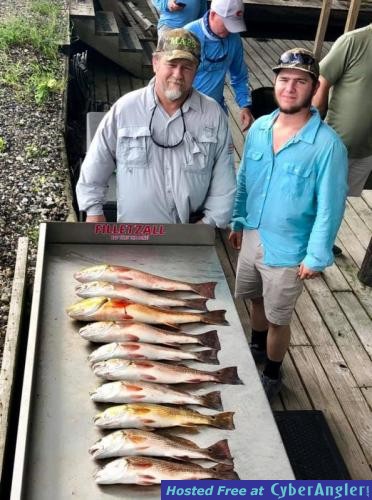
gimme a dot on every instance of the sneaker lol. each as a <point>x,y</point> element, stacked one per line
<point>259,355</point>
<point>271,386</point>
<point>336,251</point>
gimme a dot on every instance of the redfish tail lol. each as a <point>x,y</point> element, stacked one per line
<point>220,451</point>
<point>224,471</point>
<point>198,304</point>
<point>209,339</point>
<point>205,289</point>
<point>208,356</point>
<point>224,420</point>
<point>212,400</point>
<point>228,376</point>
<point>214,317</point>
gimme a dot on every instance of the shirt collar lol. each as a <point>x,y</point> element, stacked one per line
<point>306,134</point>
<point>207,29</point>
<point>193,101</point>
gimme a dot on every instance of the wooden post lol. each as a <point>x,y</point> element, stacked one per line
<point>352,15</point>
<point>322,27</point>
<point>365,273</point>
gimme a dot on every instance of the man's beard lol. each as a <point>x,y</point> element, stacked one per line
<point>173,94</point>
<point>297,108</point>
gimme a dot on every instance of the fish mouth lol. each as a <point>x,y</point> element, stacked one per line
<point>86,307</point>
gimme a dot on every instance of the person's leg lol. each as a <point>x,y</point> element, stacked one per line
<point>359,170</point>
<point>260,327</point>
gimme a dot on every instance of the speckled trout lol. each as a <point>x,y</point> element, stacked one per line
<point>137,350</point>
<point>133,331</point>
<point>153,416</point>
<point>140,279</point>
<point>103,309</point>
<point>119,291</point>
<point>134,442</point>
<point>162,373</point>
<point>144,392</point>
<point>147,471</point>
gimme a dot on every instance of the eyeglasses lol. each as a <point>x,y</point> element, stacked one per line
<point>167,146</point>
<point>296,58</point>
<point>221,58</point>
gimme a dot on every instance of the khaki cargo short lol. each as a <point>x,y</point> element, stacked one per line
<point>359,170</point>
<point>279,286</point>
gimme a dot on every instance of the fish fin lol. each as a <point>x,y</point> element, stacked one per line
<point>209,339</point>
<point>144,364</point>
<point>149,378</point>
<point>137,439</point>
<point>214,317</point>
<point>223,420</point>
<point>184,442</point>
<point>142,410</point>
<point>212,400</point>
<point>225,471</point>
<point>142,462</point>
<point>132,347</point>
<point>228,376</point>
<point>204,289</point>
<point>133,387</point>
<point>208,356</point>
<point>220,451</point>
<point>198,304</point>
<point>172,326</point>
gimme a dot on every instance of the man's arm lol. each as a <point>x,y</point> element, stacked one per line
<point>320,99</point>
<point>161,5</point>
<point>239,77</point>
<point>331,190</point>
<point>97,167</point>
<point>220,197</point>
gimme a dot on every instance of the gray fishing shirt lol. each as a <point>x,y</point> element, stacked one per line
<point>155,184</point>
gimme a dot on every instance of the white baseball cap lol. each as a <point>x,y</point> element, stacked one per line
<point>232,13</point>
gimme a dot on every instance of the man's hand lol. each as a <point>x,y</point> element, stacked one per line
<point>304,273</point>
<point>235,238</point>
<point>95,218</point>
<point>173,7</point>
<point>246,118</point>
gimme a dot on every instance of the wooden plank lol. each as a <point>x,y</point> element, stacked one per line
<point>11,344</point>
<point>145,23</point>
<point>293,393</point>
<point>82,8</point>
<point>323,398</point>
<point>358,318</point>
<point>367,197</point>
<point>352,15</point>
<point>351,243</point>
<point>362,209</point>
<point>298,335</point>
<point>105,24</point>
<point>350,270</point>
<point>335,279</point>
<point>351,349</point>
<point>367,393</point>
<point>357,226</point>
<point>322,27</point>
<point>128,40</point>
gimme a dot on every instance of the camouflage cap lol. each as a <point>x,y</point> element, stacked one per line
<point>179,44</point>
<point>298,58</point>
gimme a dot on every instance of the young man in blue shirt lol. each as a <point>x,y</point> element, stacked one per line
<point>288,208</point>
<point>222,53</point>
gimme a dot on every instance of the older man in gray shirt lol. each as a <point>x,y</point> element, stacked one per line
<point>170,146</point>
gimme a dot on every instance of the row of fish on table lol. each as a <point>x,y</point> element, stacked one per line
<point>143,363</point>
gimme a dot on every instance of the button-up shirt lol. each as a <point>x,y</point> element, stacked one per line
<point>295,197</point>
<point>156,184</point>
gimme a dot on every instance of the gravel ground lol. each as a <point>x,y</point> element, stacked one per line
<point>34,183</point>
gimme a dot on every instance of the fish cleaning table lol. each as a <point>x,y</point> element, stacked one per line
<point>56,418</point>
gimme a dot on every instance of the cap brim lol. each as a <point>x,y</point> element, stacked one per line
<point>293,66</point>
<point>234,24</point>
<point>180,54</point>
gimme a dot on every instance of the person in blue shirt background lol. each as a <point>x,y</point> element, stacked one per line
<point>292,187</point>
<point>222,53</point>
<point>175,14</point>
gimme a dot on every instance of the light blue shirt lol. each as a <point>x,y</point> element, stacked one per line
<point>177,19</point>
<point>155,184</point>
<point>220,57</point>
<point>296,197</point>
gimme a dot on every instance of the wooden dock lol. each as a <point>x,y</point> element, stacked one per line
<point>329,366</point>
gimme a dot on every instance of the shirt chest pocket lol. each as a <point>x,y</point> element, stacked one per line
<point>132,147</point>
<point>199,151</point>
<point>297,170</point>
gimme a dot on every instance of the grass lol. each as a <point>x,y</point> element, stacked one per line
<point>36,32</point>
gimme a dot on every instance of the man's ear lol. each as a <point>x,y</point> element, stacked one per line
<point>155,62</point>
